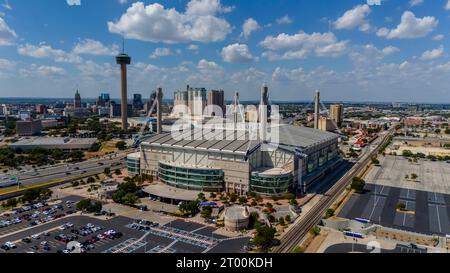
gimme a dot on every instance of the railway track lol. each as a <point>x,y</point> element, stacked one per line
<point>295,235</point>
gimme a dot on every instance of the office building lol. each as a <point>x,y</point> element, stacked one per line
<point>116,111</point>
<point>137,102</point>
<point>326,124</point>
<point>197,101</point>
<point>216,98</point>
<point>28,127</point>
<point>337,114</point>
<point>77,100</point>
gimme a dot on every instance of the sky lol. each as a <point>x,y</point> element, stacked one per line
<point>352,50</point>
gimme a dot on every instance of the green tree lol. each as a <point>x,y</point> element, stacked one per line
<point>358,184</point>
<point>243,200</point>
<point>90,180</point>
<point>189,207</point>
<point>414,176</point>
<point>206,212</point>
<point>121,145</point>
<point>107,171</point>
<point>117,172</point>
<point>264,237</point>
<point>281,221</point>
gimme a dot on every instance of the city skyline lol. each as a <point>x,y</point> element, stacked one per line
<point>395,51</point>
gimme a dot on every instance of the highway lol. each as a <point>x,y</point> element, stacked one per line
<point>70,171</point>
<point>301,227</point>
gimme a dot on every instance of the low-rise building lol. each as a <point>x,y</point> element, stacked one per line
<point>65,144</point>
<point>28,127</point>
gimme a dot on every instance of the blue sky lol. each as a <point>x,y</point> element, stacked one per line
<point>352,50</point>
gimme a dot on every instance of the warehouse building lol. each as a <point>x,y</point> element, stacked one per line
<point>65,144</point>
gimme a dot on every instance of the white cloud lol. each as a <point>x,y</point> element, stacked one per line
<point>160,52</point>
<point>46,51</point>
<point>155,23</point>
<point>7,35</point>
<point>45,70</point>
<point>432,54</point>
<point>410,27</point>
<point>285,20</point>
<point>6,5</point>
<point>237,53</point>
<point>299,46</point>
<point>250,25</point>
<point>93,47</point>
<point>354,18</point>
<point>447,7</point>
<point>122,2</point>
<point>438,37</point>
<point>206,7</point>
<point>193,47</point>
<point>73,2</point>
<point>413,3</point>
<point>390,50</point>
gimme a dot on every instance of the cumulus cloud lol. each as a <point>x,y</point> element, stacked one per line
<point>237,53</point>
<point>410,27</point>
<point>73,2</point>
<point>438,37</point>
<point>93,47</point>
<point>155,23</point>
<point>354,18</point>
<point>160,52</point>
<point>432,54</point>
<point>447,7</point>
<point>50,70</point>
<point>45,51</point>
<point>7,35</point>
<point>285,20</point>
<point>250,25</point>
<point>414,3</point>
<point>300,45</point>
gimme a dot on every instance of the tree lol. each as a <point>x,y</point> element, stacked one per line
<point>401,206</point>
<point>293,202</point>
<point>243,200</point>
<point>358,184</point>
<point>89,206</point>
<point>76,156</point>
<point>206,212</point>
<point>414,176</point>
<point>201,196</point>
<point>281,221</point>
<point>121,145</point>
<point>117,172</point>
<point>375,161</point>
<point>288,219</point>
<point>315,231</point>
<point>107,171</point>
<point>264,237</point>
<point>90,180</point>
<point>189,207</point>
<point>233,197</point>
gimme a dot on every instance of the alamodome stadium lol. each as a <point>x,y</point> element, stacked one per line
<point>231,160</point>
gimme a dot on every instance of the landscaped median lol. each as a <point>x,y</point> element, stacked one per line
<point>12,192</point>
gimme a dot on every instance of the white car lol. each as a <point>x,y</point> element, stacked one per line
<point>69,225</point>
<point>44,243</point>
<point>36,236</point>
<point>10,245</point>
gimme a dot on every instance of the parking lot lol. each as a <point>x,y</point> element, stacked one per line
<point>117,235</point>
<point>35,215</point>
<point>426,212</point>
<point>432,176</point>
<point>361,248</point>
